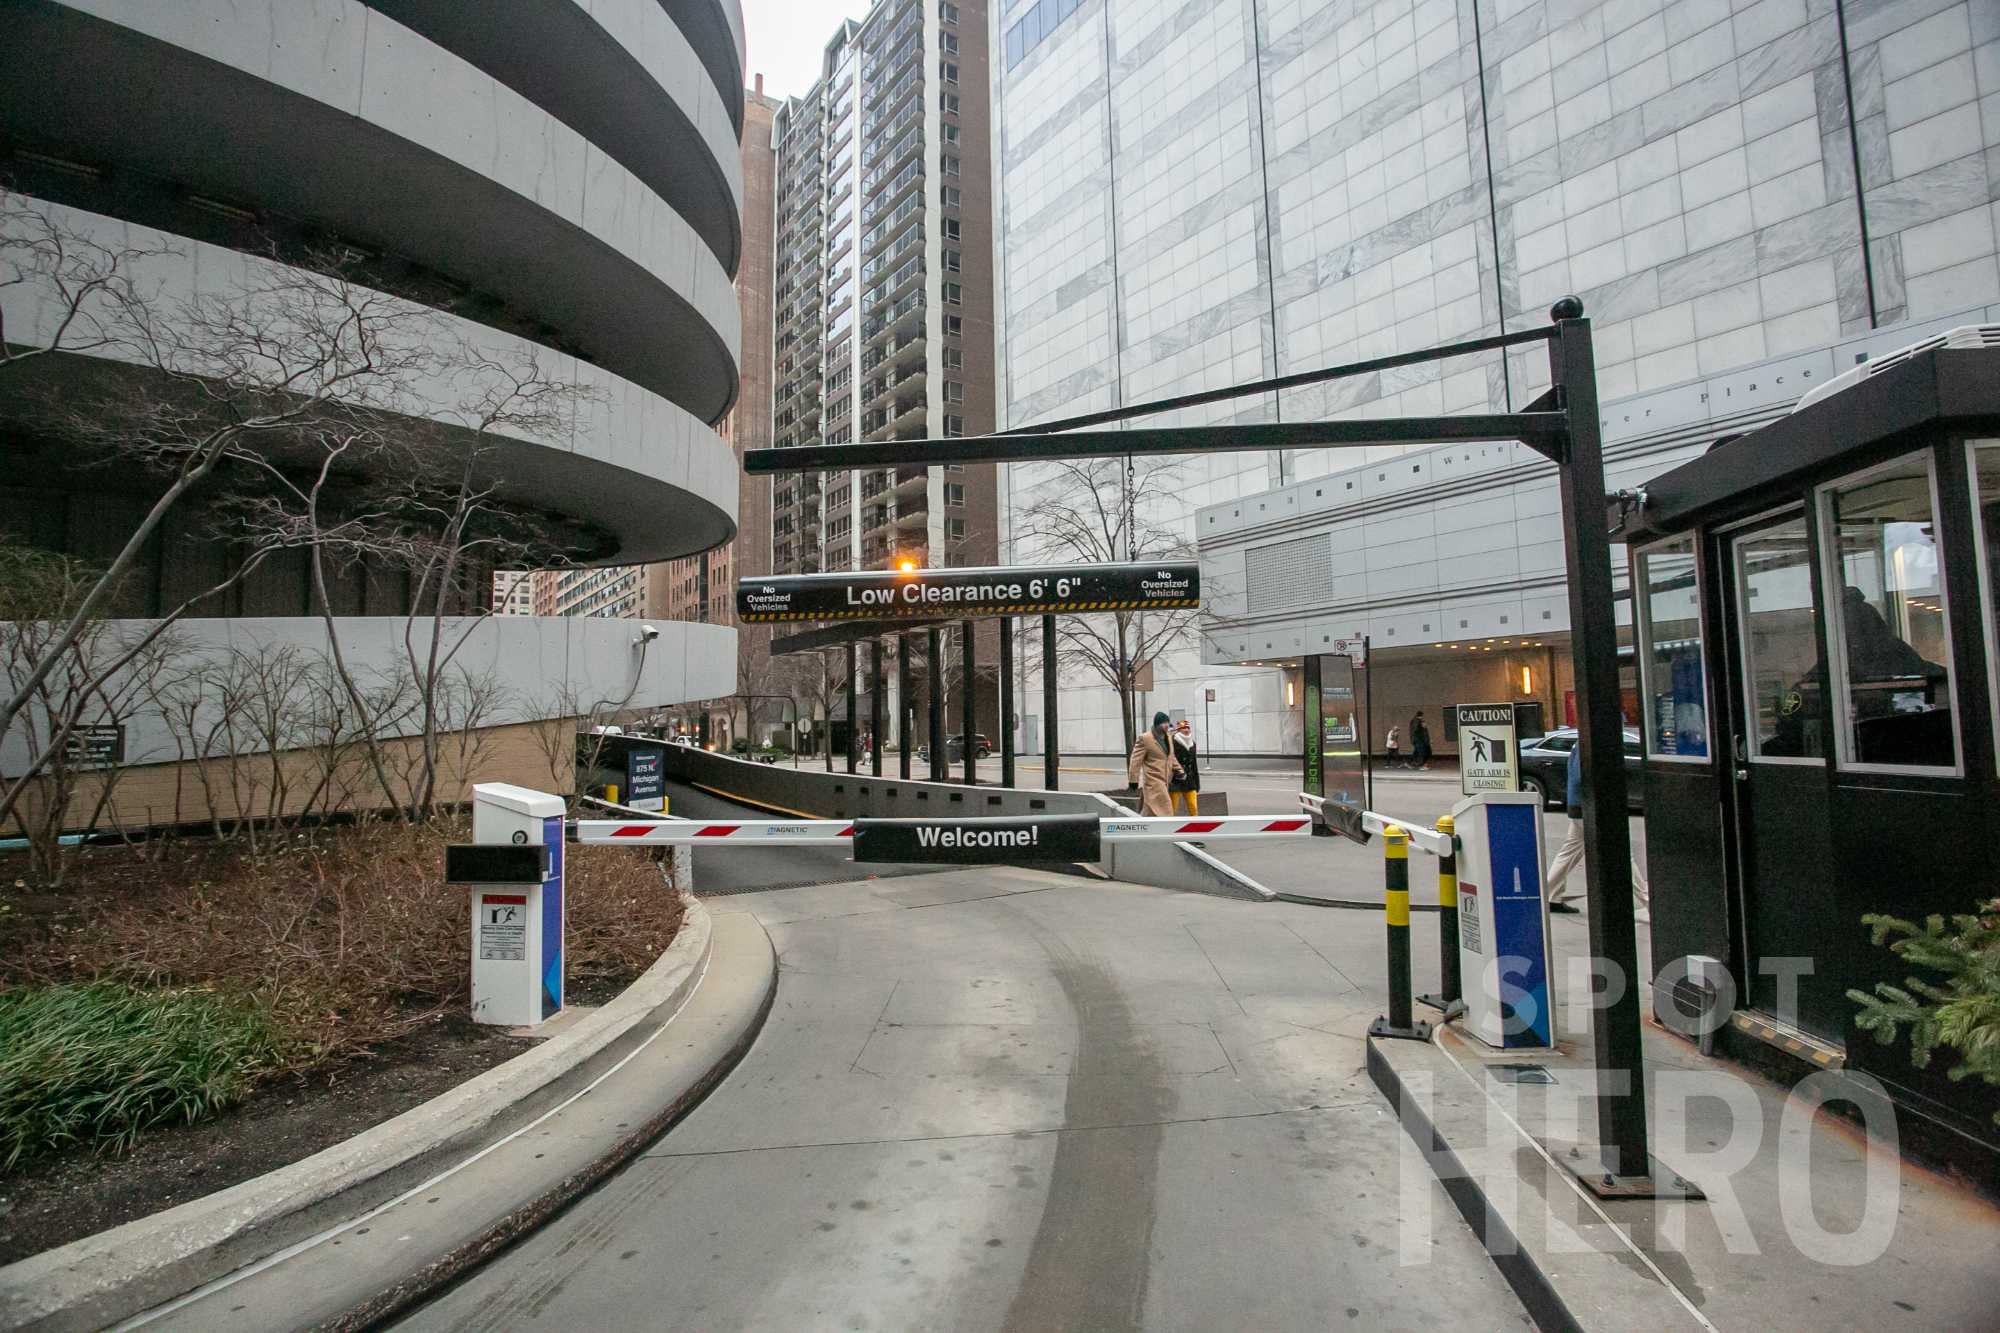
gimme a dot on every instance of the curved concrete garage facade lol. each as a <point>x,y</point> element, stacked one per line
<point>560,187</point>
<point>336,114</point>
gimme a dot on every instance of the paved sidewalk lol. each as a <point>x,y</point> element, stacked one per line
<point>1809,1223</point>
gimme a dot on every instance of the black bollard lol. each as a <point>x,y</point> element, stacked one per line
<point>1396,902</point>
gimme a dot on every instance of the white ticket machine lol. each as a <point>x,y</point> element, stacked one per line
<point>517,923</point>
<point>1503,928</point>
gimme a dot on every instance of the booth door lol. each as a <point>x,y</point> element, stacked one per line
<point>1777,744</point>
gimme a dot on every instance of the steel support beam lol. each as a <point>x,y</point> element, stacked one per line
<point>934,669</point>
<point>1051,733</point>
<point>1006,701</point>
<point>968,701</point>
<point>1607,837</point>
<point>877,737</point>
<point>905,714</point>
<point>1540,430</point>
<point>853,707</point>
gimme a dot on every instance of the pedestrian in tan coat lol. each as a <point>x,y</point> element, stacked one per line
<point>1151,767</point>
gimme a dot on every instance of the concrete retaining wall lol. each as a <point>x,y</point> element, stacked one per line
<point>817,794</point>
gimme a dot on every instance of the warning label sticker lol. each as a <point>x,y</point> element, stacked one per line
<point>503,927</point>
<point>1468,917</point>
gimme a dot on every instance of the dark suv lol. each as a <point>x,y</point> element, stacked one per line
<point>954,748</point>
<point>1545,768</point>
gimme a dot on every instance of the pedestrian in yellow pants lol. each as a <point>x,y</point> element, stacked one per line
<point>1186,789</point>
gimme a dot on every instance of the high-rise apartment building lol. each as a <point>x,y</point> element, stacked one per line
<point>703,586</point>
<point>883,297</point>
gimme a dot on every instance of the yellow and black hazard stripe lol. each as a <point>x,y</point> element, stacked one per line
<point>962,613</point>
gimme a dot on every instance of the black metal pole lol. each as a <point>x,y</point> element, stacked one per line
<point>968,702</point>
<point>1607,838</point>
<point>1006,701</point>
<point>1368,720</point>
<point>853,707</point>
<point>934,673</point>
<point>1051,739</point>
<point>1396,913</point>
<point>904,713</point>
<point>877,736</point>
<point>1448,997</point>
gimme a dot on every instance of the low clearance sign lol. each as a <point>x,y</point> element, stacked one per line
<point>959,594</point>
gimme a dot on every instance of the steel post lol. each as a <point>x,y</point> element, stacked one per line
<point>1607,839</point>
<point>1449,997</point>
<point>853,707</point>
<point>934,673</point>
<point>968,700</point>
<point>1006,701</point>
<point>1051,739</point>
<point>1396,910</point>
<point>905,714</point>
<point>877,737</point>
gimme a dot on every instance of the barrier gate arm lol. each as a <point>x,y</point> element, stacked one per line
<point>825,832</point>
<point>1427,839</point>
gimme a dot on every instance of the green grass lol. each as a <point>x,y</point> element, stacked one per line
<point>95,1064</point>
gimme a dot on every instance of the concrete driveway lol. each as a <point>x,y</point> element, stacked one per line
<point>1004,1099</point>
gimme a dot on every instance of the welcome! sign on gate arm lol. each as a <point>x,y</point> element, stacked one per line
<point>989,841</point>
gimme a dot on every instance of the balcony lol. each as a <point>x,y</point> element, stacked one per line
<point>911,481</point>
<point>887,94</point>
<point>916,516</point>
<point>891,227</point>
<point>906,411</point>
<point>880,326</point>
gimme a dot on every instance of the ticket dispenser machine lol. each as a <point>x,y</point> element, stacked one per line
<point>1503,928</point>
<point>517,926</point>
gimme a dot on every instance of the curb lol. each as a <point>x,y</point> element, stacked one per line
<point>141,1265</point>
<point>1353,904</point>
<point>1515,1262</point>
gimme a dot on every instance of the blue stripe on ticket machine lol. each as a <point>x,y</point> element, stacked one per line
<point>1503,928</point>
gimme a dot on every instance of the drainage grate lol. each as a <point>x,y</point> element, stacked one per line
<point>1521,1073</point>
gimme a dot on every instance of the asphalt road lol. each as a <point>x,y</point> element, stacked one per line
<point>1003,1099</point>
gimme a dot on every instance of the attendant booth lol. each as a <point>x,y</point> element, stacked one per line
<point>1816,639</point>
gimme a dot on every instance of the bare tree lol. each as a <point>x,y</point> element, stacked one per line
<point>87,291</point>
<point>1091,511</point>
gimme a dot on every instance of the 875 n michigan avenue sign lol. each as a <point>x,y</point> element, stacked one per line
<point>961,593</point>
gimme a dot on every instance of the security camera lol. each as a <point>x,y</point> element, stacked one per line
<point>647,633</point>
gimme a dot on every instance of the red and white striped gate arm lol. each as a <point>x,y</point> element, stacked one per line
<point>718,833</point>
<point>1182,829</point>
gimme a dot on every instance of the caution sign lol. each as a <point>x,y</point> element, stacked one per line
<point>1488,757</point>
<point>1059,838</point>
<point>503,927</point>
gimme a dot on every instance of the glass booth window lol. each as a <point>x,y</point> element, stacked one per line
<point>1986,506</point>
<point>1672,663</point>
<point>1886,587</point>
<point>1782,673</point>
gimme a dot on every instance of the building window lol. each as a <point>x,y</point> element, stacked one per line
<point>948,228</point>
<point>1672,661</point>
<point>948,103</point>
<point>954,358</point>
<point>953,261</point>
<point>949,196</point>
<point>954,392</point>
<point>949,164</point>
<point>954,325</point>
<point>1037,24</point>
<point>1779,642</point>
<point>947,12</point>
<point>948,43</point>
<point>950,132</point>
<point>954,529</point>
<point>948,71</point>
<point>954,425</point>
<point>954,294</point>
<point>954,492</point>
<point>1889,622</point>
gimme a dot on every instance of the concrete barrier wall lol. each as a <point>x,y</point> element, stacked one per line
<point>814,793</point>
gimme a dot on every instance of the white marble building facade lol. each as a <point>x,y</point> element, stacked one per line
<point>1199,194</point>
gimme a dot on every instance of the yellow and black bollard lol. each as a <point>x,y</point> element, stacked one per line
<point>1396,886</point>
<point>1450,998</point>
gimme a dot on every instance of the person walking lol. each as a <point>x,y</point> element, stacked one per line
<point>1152,767</point>
<point>1394,744</point>
<point>1420,742</point>
<point>1185,789</point>
<point>1570,855</point>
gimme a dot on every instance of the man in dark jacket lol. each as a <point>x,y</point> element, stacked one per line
<point>1420,741</point>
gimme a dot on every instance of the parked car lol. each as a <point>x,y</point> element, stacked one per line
<point>954,748</point>
<point>1545,768</point>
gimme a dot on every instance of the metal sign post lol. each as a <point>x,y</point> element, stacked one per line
<point>1562,425</point>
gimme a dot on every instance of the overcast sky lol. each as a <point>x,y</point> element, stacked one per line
<point>787,37</point>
